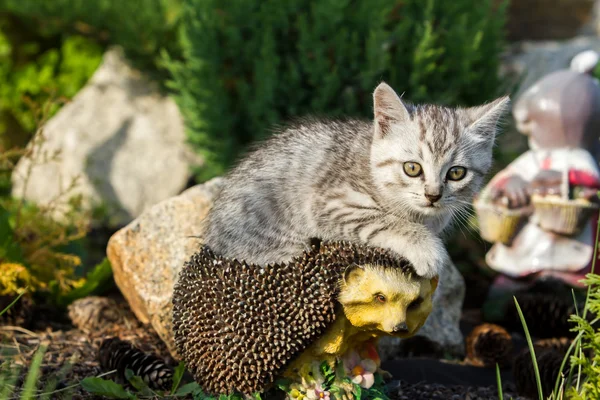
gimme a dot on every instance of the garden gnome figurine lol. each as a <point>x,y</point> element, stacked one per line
<point>541,211</point>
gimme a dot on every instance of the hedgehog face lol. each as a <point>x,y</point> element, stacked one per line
<point>385,299</point>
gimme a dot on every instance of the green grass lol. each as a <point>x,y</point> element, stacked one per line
<point>13,303</point>
<point>499,381</point>
<point>585,331</point>
<point>531,350</point>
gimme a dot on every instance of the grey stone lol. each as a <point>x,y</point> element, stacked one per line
<point>121,136</point>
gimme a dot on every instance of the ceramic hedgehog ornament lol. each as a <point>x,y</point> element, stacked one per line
<point>239,326</point>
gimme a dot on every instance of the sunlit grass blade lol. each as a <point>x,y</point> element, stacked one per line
<point>8,382</point>
<point>578,349</point>
<point>499,381</point>
<point>589,290</point>
<point>32,376</point>
<point>575,302</point>
<point>575,343</point>
<point>531,350</point>
<point>50,387</point>
<point>11,304</point>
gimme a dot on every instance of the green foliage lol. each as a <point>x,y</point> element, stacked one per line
<point>499,383</point>
<point>590,340</point>
<point>32,73</point>
<point>95,281</point>
<point>139,389</point>
<point>51,48</point>
<point>9,377</point>
<point>32,256</point>
<point>177,376</point>
<point>106,388</point>
<point>31,388</point>
<point>584,384</point>
<point>11,304</point>
<point>251,64</point>
<point>328,374</point>
<point>32,376</point>
<point>142,28</point>
<point>39,243</point>
<point>531,350</point>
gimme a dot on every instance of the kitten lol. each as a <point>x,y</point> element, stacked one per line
<point>393,183</point>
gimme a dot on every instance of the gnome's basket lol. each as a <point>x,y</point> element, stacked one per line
<point>564,216</point>
<point>498,223</point>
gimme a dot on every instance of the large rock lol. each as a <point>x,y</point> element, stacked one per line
<point>121,136</point>
<point>147,254</point>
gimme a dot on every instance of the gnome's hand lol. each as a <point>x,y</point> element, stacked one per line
<point>589,194</point>
<point>514,190</point>
<point>546,182</point>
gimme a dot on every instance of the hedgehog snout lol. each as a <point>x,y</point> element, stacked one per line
<point>396,324</point>
<point>400,328</point>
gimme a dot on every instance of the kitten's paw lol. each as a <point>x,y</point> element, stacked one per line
<point>428,259</point>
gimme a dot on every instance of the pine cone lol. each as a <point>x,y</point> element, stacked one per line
<point>558,344</point>
<point>488,345</point>
<point>546,315</point>
<point>549,360</point>
<point>121,355</point>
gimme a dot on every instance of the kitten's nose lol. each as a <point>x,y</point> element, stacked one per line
<point>433,197</point>
<point>401,328</point>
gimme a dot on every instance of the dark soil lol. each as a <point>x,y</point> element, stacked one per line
<point>71,353</point>
<point>427,391</point>
<point>72,356</point>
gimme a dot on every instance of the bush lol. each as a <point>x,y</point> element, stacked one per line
<point>250,64</point>
<point>588,367</point>
<point>142,28</point>
<point>41,245</point>
<point>51,48</point>
<point>31,74</point>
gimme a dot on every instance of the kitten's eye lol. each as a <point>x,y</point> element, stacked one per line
<point>412,169</point>
<point>456,173</point>
<point>380,298</point>
<point>416,303</point>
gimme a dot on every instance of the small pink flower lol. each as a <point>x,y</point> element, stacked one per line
<point>317,394</point>
<point>360,371</point>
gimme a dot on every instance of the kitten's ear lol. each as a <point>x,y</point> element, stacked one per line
<point>388,109</point>
<point>485,118</point>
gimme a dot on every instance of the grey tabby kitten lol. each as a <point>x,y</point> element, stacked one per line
<point>394,183</point>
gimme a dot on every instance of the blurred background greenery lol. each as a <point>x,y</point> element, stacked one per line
<point>239,67</point>
<point>235,69</point>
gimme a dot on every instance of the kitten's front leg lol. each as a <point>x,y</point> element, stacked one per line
<point>417,244</point>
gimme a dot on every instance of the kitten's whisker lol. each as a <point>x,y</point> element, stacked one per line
<point>462,218</point>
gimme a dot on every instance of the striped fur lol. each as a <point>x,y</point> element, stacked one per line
<point>344,180</point>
